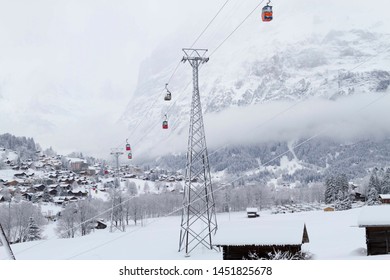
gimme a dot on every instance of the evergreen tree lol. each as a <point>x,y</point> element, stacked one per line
<point>372,190</point>
<point>343,201</point>
<point>342,183</point>
<point>330,190</point>
<point>374,182</point>
<point>372,196</point>
<point>33,231</point>
<point>46,197</point>
<point>385,186</point>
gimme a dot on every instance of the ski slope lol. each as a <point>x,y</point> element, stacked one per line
<point>333,236</point>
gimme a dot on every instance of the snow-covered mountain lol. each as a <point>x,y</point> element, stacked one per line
<point>312,49</point>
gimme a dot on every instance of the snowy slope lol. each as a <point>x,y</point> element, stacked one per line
<point>301,54</point>
<point>332,235</point>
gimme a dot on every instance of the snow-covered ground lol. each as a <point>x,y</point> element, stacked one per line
<point>333,236</point>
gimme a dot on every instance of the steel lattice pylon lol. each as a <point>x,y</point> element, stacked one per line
<point>198,222</point>
<point>4,241</point>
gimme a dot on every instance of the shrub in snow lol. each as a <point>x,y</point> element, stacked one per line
<point>281,255</point>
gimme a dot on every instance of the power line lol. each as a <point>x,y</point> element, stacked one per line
<point>220,188</point>
<point>236,179</point>
<point>303,100</point>
<point>220,45</point>
<point>178,64</point>
<point>235,29</point>
<point>208,25</point>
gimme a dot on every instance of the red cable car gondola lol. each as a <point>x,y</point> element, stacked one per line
<point>128,147</point>
<point>165,123</point>
<point>129,156</point>
<point>266,14</point>
<point>168,95</point>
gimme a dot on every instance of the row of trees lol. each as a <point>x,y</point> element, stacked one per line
<point>21,221</point>
<point>131,208</point>
<point>337,192</point>
<point>379,183</point>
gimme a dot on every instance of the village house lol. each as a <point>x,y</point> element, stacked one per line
<point>384,198</point>
<point>77,165</point>
<point>259,238</point>
<point>376,221</point>
<point>251,212</point>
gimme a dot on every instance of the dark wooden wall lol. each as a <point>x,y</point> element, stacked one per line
<point>378,240</point>
<point>241,252</point>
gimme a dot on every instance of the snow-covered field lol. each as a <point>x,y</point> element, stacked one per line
<point>333,236</point>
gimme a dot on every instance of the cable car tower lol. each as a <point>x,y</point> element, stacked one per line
<point>116,195</point>
<point>4,241</point>
<point>198,221</point>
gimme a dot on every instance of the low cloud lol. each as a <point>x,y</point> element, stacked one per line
<point>346,119</point>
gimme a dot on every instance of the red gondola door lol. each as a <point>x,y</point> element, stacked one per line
<point>267,14</point>
<point>165,123</point>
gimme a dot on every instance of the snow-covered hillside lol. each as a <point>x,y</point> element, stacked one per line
<point>332,235</point>
<point>311,49</point>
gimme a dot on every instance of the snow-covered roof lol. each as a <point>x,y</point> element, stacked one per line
<point>376,215</point>
<point>251,209</point>
<point>259,232</point>
<point>77,160</point>
<point>384,196</point>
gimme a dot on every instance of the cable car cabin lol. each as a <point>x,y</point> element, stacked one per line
<point>165,125</point>
<point>128,148</point>
<point>168,96</point>
<point>129,156</point>
<point>266,14</point>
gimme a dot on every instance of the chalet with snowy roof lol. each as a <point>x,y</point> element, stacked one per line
<point>260,238</point>
<point>20,175</point>
<point>66,187</point>
<point>78,164</point>
<point>78,192</point>
<point>60,200</point>
<point>384,198</point>
<point>39,187</point>
<point>251,212</point>
<point>12,183</point>
<point>91,171</point>
<point>99,224</point>
<point>376,221</point>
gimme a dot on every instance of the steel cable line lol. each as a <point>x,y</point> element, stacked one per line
<point>289,108</point>
<point>208,25</point>
<point>296,146</point>
<point>232,181</point>
<point>280,113</point>
<point>178,64</point>
<point>220,45</point>
<point>153,104</point>
<point>235,29</point>
<point>301,100</point>
<point>215,190</point>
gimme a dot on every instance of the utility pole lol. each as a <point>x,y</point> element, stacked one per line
<point>198,221</point>
<point>6,245</point>
<point>116,153</point>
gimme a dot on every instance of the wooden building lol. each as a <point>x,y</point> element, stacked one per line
<point>384,198</point>
<point>259,238</point>
<point>376,221</point>
<point>329,209</point>
<point>100,224</point>
<point>251,212</point>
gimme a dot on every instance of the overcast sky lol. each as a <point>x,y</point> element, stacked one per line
<point>68,68</point>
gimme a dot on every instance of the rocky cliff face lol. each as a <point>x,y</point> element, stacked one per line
<point>311,50</point>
